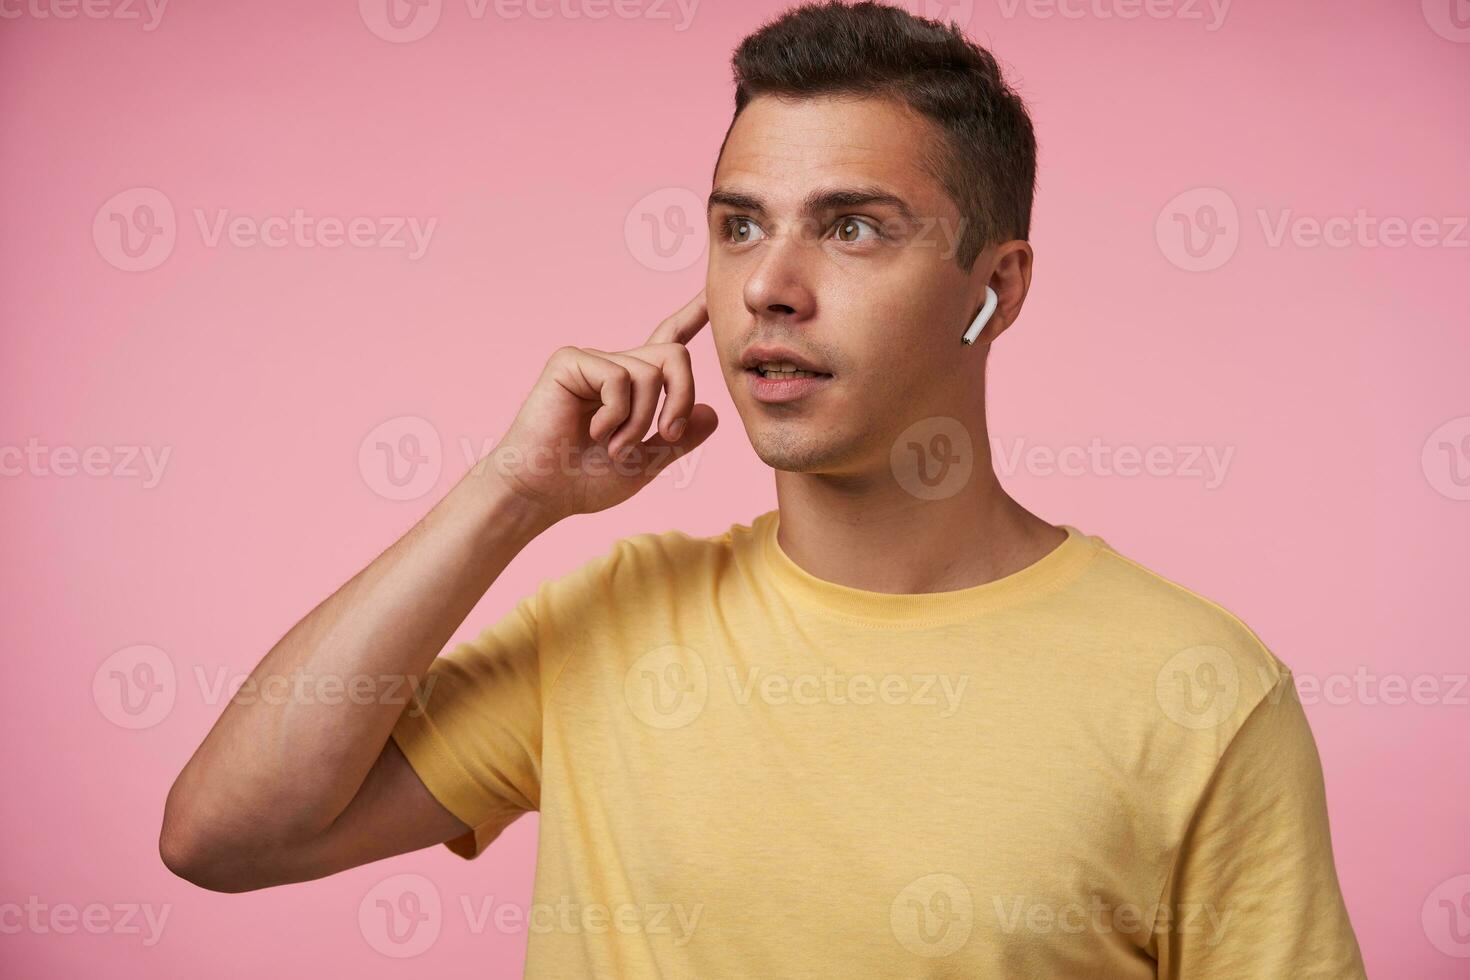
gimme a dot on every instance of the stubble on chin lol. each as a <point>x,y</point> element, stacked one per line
<point>803,449</point>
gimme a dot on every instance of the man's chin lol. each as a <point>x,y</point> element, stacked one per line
<point>790,451</point>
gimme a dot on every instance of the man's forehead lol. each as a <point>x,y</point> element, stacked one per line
<point>782,148</point>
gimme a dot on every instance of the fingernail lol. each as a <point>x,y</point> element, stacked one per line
<point>676,429</point>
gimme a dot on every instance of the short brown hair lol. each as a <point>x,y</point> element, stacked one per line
<point>986,159</point>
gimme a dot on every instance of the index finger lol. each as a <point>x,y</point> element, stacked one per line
<point>681,327</point>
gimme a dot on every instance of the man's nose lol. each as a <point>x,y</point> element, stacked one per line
<point>780,283</point>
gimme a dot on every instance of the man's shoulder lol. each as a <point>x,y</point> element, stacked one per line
<point>1176,624</point>
<point>659,561</point>
<point>677,549</point>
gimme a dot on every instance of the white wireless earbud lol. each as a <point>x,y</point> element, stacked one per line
<point>983,317</point>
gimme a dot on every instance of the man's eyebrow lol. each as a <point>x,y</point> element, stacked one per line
<point>817,202</point>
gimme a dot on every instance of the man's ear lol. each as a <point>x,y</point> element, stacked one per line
<point>1010,277</point>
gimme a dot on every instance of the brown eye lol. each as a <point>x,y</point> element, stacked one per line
<point>851,230</point>
<point>742,231</point>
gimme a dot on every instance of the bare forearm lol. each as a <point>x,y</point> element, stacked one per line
<point>294,745</point>
<point>291,783</point>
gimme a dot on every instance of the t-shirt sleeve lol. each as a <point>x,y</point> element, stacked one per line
<point>473,732</point>
<point>1253,891</point>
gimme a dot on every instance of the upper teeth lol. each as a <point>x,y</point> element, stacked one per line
<point>785,369</point>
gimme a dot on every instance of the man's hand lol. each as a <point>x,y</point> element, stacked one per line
<point>577,445</point>
<point>290,791</point>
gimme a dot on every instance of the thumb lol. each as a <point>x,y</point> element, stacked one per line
<point>659,452</point>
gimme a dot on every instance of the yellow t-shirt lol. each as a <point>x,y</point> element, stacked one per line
<point>1079,770</point>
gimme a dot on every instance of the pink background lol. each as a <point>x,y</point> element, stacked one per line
<point>1337,531</point>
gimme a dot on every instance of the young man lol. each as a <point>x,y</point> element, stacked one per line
<point>897,727</point>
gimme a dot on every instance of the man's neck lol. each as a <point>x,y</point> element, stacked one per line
<point>870,533</point>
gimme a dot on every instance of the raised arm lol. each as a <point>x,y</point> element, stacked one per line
<point>288,787</point>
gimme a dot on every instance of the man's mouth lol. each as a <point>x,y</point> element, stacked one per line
<point>782,375</point>
<point>775,382</point>
<point>784,371</point>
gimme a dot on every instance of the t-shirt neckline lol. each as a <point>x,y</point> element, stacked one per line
<point>1054,568</point>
